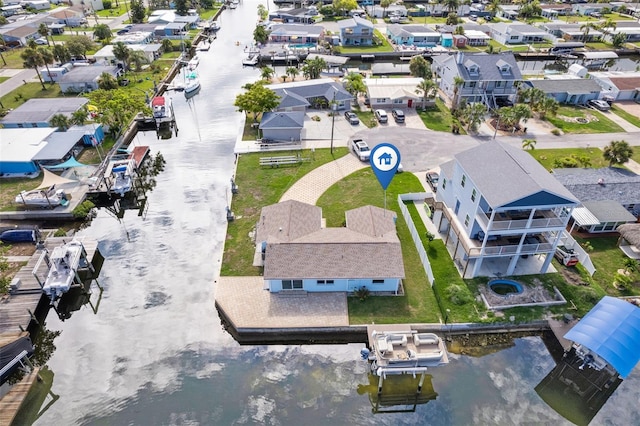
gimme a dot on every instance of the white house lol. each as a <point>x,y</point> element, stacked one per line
<point>298,253</point>
<point>619,85</point>
<point>105,55</point>
<point>517,33</point>
<point>393,92</point>
<point>85,79</point>
<point>501,211</point>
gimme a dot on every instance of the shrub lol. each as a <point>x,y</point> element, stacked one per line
<point>362,293</point>
<point>622,282</point>
<point>555,132</point>
<point>60,233</point>
<point>458,294</point>
<point>587,295</point>
<point>83,210</point>
<point>106,4</point>
<point>565,163</point>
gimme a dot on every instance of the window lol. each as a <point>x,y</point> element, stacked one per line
<point>378,281</point>
<point>463,181</point>
<point>292,284</point>
<point>398,101</point>
<point>466,221</point>
<point>473,195</point>
<point>364,31</point>
<point>472,84</point>
<point>499,83</point>
<point>444,183</point>
<point>325,282</point>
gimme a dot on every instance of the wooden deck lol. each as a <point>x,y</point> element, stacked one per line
<point>12,401</point>
<point>19,307</point>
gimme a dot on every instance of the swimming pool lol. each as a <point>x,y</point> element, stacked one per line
<point>505,287</point>
<point>302,46</point>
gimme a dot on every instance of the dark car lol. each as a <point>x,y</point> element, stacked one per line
<point>122,31</point>
<point>504,102</point>
<point>351,117</point>
<point>398,115</point>
<point>432,180</point>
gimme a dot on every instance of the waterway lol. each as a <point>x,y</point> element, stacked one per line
<point>156,353</point>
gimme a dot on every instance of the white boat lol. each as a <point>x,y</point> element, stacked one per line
<point>162,109</point>
<point>404,351</point>
<point>251,60</point>
<point>44,198</point>
<point>192,85</point>
<point>121,176</point>
<point>193,63</point>
<point>64,262</point>
<point>233,4</point>
<point>214,26</point>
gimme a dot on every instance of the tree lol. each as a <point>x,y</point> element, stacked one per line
<point>60,121</point>
<point>428,88</point>
<point>618,40</point>
<point>617,153</point>
<point>181,7</point>
<point>312,68</point>
<point>473,114</point>
<point>522,113</point>
<point>61,53</point>
<point>420,67</point>
<point>354,83</point>
<point>260,34</point>
<point>530,10</point>
<point>79,117</point>
<point>586,29</point>
<point>452,19</point>
<point>263,13</point>
<point>529,144</point>
<point>547,106</point>
<point>167,46</point>
<point>117,107</point>
<point>384,4</point>
<point>107,81</point>
<point>459,30</point>
<point>458,82</point>
<point>102,32</point>
<point>137,11</point>
<point>344,6</point>
<point>47,58</point>
<point>266,73</point>
<point>257,99</point>
<point>137,58</point>
<point>33,59</point>
<point>292,72</point>
<point>494,7</point>
<point>78,45</point>
<point>451,6</point>
<point>121,52</point>
<point>43,30</point>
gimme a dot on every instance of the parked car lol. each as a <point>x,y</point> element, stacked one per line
<point>504,102</point>
<point>398,115</point>
<point>41,41</point>
<point>351,117</point>
<point>381,116</point>
<point>599,105</point>
<point>361,149</point>
<point>432,180</point>
<point>122,31</point>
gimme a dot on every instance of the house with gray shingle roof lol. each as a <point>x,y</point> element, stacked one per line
<point>487,77</point>
<point>316,93</point>
<point>38,112</point>
<point>85,79</point>
<point>574,91</point>
<point>501,211</point>
<point>282,126</point>
<point>356,31</point>
<point>296,34</point>
<point>299,253</point>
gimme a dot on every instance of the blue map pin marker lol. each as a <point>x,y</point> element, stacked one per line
<point>384,159</point>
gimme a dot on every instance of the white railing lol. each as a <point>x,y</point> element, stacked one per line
<point>568,241</point>
<point>414,232</point>
<point>499,225</point>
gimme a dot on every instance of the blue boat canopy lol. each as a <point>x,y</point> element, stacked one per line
<point>612,330</point>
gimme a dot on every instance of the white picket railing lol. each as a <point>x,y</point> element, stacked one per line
<point>414,233</point>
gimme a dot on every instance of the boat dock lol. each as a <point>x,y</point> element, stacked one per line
<point>10,403</point>
<point>560,328</point>
<point>26,305</point>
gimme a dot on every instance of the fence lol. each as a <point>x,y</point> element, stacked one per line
<point>414,232</point>
<point>567,240</point>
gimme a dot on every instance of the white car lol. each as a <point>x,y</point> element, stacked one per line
<point>381,115</point>
<point>361,149</point>
<point>41,41</point>
<point>599,105</point>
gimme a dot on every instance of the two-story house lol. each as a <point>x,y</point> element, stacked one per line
<point>487,78</point>
<point>356,32</point>
<point>296,33</point>
<point>501,211</point>
<point>298,253</point>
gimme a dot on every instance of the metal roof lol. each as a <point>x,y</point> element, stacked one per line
<point>40,110</point>
<point>612,330</point>
<point>21,145</point>
<point>584,217</point>
<point>569,85</point>
<point>58,145</point>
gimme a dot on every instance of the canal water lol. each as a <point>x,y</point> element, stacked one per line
<point>156,354</point>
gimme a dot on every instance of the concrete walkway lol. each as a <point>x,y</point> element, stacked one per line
<point>312,185</point>
<point>628,127</point>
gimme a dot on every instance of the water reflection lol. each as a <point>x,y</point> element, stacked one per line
<point>398,394</point>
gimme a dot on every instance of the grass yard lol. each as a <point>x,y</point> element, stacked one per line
<point>366,118</point>
<point>259,187</point>
<point>3,79</point>
<point>550,158</point>
<point>115,11</point>
<point>12,58</point>
<point>209,13</point>
<point>419,303</point>
<point>627,116</point>
<point>438,118</point>
<point>10,187</point>
<point>384,47</point>
<point>28,91</point>
<point>601,125</point>
<point>636,154</point>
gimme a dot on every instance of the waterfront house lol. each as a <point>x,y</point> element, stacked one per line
<point>507,33</point>
<point>38,112</point>
<point>413,35</point>
<point>631,32</point>
<point>356,32</point>
<point>318,93</point>
<point>501,211</point>
<point>588,9</point>
<point>299,253</point>
<point>19,147</point>
<point>619,85</point>
<point>165,17</point>
<point>85,79</point>
<point>552,11</point>
<point>105,55</point>
<point>142,37</point>
<point>572,91</point>
<point>296,34</point>
<point>394,92</point>
<point>304,15</point>
<point>487,77</point>
<point>282,126</point>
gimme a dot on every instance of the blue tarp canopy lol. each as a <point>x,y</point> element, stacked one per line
<point>71,162</point>
<point>612,330</point>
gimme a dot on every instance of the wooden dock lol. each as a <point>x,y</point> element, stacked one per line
<point>19,308</point>
<point>10,404</point>
<point>559,329</point>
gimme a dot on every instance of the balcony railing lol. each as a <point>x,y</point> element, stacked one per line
<point>505,222</point>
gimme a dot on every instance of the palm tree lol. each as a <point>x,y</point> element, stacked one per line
<point>102,32</point>
<point>121,52</point>
<point>47,58</point>
<point>137,58</point>
<point>451,5</point>
<point>428,88</point>
<point>384,4</point>
<point>522,113</point>
<point>547,106</point>
<point>61,53</point>
<point>266,73</point>
<point>457,84</point>
<point>33,59</point>
<point>494,7</point>
<point>292,72</point>
<point>167,46</point>
<point>107,81</point>
<point>473,115</point>
<point>43,30</point>
<point>60,121</point>
<point>529,144</point>
<point>586,29</point>
<point>617,152</point>
<point>79,117</point>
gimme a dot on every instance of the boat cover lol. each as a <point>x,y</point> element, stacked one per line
<point>49,178</point>
<point>71,162</point>
<point>157,101</point>
<point>612,330</point>
<point>10,351</point>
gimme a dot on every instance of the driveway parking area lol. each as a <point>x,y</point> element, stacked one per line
<point>631,107</point>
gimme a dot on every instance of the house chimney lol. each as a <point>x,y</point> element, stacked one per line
<point>459,58</point>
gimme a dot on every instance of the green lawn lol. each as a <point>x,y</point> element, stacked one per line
<point>636,154</point>
<point>259,187</point>
<point>419,303</point>
<point>385,46</point>
<point>115,11</point>
<point>601,125</point>
<point>549,158</point>
<point>3,79</point>
<point>366,117</point>
<point>209,13</point>
<point>27,91</point>
<point>438,118</point>
<point>627,116</point>
<point>12,58</point>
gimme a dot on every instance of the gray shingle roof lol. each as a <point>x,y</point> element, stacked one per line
<point>82,74</point>
<point>372,221</point>
<point>487,65</point>
<point>620,185</point>
<point>504,174</point>
<point>287,221</point>
<point>352,22</point>
<point>41,110</point>
<point>299,30</point>
<point>573,86</point>
<point>308,89</point>
<point>289,99</point>
<point>282,120</point>
<point>399,30</point>
<point>609,211</point>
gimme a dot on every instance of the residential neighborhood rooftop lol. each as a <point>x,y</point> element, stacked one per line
<point>607,183</point>
<point>41,110</point>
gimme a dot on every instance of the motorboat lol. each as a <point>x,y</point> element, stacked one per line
<point>121,176</point>
<point>214,26</point>
<point>43,198</point>
<point>251,60</point>
<point>64,262</point>
<point>234,4</point>
<point>192,85</point>
<point>162,109</point>
<point>193,63</point>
